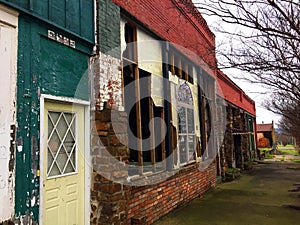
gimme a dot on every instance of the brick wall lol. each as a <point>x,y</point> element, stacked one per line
<point>108,143</point>
<point>109,164</point>
<point>114,202</point>
<point>109,28</point>
<point>175,23</point>
<point>147,204</point>
<point>107,82</point>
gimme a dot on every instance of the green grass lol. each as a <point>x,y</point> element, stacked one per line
<point>287,146</point>
<point>289,152</point>
<point>296,160</point>
<point>269,156</point>
<point>264,149</point>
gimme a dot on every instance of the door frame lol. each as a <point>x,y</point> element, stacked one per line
<point>87,161</point>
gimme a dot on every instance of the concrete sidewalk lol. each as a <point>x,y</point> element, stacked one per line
<point>267,195</point>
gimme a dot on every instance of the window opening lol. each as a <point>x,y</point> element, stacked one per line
<point>181,66</point>
<point>186,128</point>
<point>146,154</point>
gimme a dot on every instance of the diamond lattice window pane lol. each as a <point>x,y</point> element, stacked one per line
<point>62,143</point>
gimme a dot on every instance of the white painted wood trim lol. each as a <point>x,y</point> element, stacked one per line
<point>9,41</point>
<point>42,146</point>
<point>87,167</point>
<point>65,99</point>
<point>8,16</point>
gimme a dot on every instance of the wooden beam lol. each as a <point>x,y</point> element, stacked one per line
<point>138,120</point>
<point>152,134</point>
<point>163,137</point>
<point>172,63</point>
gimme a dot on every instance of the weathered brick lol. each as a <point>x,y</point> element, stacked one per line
<point>102,126</point>
<point>102,133</point>
<point>114,140</point>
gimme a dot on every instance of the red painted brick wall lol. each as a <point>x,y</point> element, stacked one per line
<point>152,202</point>
<point>232,93</point>
<point>176,23</point>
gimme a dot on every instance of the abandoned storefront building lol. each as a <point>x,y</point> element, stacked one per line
<point>187,121</point>
<point>115,111</point>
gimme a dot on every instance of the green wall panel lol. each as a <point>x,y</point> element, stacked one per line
<point>76,16</point>
<point>57,12</point>
<point>63,72</point>
<point>21,3</point>
<point>41,8</point>
<point>73,15</point>
<point>87,19</point>
<point>27,118</point>
<point>44,67</point>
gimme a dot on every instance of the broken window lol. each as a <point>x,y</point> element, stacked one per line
<point>181,66</point>
<point>207,111</point>
<point>145,133</point>
<point>186,128</point>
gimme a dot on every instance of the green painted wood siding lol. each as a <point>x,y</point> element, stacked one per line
<point>44,67</point>
<point>76,16</point>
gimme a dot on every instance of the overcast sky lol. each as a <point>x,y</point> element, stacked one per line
<point>253,91</point>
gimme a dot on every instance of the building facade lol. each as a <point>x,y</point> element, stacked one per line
<point>53,41</point>
<point>113,112</point>
<point>239,140</point>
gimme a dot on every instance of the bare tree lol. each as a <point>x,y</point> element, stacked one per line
<point>266,46</point>
<point>289,109</point>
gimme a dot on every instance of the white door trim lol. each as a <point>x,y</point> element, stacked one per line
<point>88,172</point>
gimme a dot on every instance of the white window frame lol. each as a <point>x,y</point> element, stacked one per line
<point>186,106</point>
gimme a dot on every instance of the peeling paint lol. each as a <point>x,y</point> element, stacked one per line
<point>8,58</point>
<point>149,53</point>
<point>156,90</point>
<point>45,67</point>
<point>107,81</point>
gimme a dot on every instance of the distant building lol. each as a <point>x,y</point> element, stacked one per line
<point>266,135</point>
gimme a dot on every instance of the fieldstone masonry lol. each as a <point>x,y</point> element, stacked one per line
<point>236,147</point>
<point>245,139</point>
<point>237,124</point>
<point>228,139</point>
